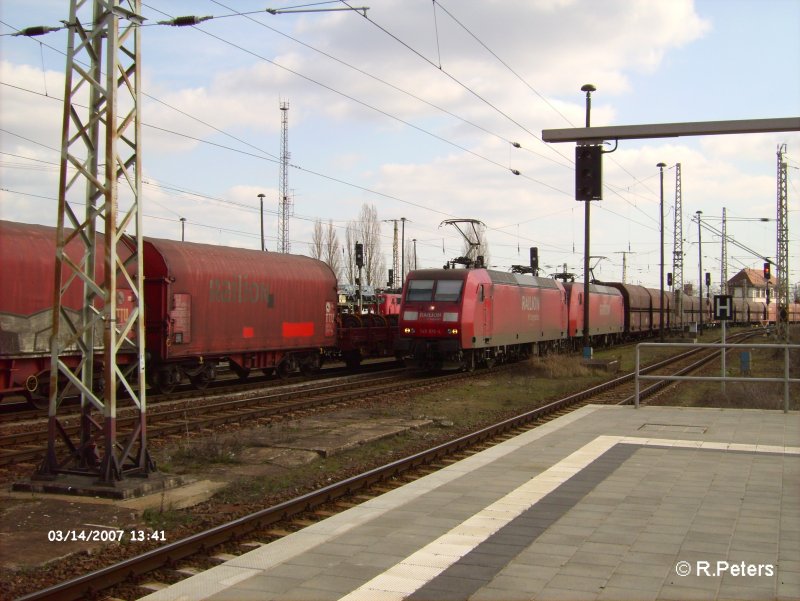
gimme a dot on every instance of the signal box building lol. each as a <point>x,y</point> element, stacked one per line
<point>750,284</point>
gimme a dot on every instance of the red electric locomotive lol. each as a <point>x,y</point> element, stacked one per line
<point>458,318</point>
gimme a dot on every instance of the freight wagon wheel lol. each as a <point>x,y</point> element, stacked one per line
<point>204,378</point>
<point>37,390</point>
<point>165,380</point>
<point>311,366</point>
<point>283,370</point>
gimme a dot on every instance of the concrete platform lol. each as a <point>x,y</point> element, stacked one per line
<point>604,503</point>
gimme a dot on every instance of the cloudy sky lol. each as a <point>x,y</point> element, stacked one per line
<point>417,110</point>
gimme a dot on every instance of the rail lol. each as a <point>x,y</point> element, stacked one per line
<point>786,379</point>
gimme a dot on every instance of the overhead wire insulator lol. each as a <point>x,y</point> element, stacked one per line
<point>37,30</point>
<point>187,21</point>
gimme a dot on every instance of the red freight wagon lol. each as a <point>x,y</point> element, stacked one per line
<point>27,264</point>
<point>456,318</point>
<point>606,313</point>
<point>256,309</point>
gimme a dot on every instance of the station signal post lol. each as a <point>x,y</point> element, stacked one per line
<point>588,187</point>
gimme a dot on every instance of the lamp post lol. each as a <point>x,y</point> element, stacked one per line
<point>261,198</point>
<point>661,249</point>
<point>587,349</point>
<point>700,266</point>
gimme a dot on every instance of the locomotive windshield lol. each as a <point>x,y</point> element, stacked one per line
<point>448,290</point>
<point>423,290</point>
<point>420,290</point>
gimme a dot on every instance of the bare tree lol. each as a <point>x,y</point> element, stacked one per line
<point>325,246</point>
<point>331,253</point>
<point>367,231</point>
<point>317,240</point>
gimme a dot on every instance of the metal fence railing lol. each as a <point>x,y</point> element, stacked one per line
<point>724,378</point>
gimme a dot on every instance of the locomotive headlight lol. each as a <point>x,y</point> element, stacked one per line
<point>410,315</point>
<point>452,331</point>
<point>408,330</point>
<point>450,317</point>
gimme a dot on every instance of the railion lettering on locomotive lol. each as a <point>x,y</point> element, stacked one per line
<point>531,303</point>
<point>240,291</point>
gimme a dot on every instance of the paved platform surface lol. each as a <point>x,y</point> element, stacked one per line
<point>604,503</point>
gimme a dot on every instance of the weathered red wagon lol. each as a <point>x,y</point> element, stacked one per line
<point>254,309</point>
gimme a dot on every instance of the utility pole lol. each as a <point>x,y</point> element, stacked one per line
<point>285,204</point>
<point>403,252</point>
<point>396,275</point>
<point>677,249</point>
<point>782,281</point>
<point>100,150</point>
<point>700,266</point>
<point>261,219</point>
<point>661,254</point>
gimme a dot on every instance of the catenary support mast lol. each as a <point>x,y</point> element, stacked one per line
<point>782,287</point>
<point>677,250</point>
<point>99,248</point>
<point>723,279</point>
<point>285,208</point>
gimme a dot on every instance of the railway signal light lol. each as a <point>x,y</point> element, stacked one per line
<point>534,260</point>
<point>669,279</point>
<point>708,280</point>
<point>359,255</point>
<point>588,172</point>
<point>767,272</point>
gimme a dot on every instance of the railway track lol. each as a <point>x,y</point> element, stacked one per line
<point>12,411</point>
<point>30,445</point>
<point>276,521</point>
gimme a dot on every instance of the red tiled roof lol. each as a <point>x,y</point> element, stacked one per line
<point>753,277</point>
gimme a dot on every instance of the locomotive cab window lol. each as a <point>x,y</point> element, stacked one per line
<point>420,290</point>
<point>448,291</point>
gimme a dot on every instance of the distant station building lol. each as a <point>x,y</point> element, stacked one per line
<point>750,285</point>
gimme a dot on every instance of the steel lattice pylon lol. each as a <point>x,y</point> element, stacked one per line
<point>723,280</point>
<point>782,282</point>
<point>99,255</point>
<point>677,250</point>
